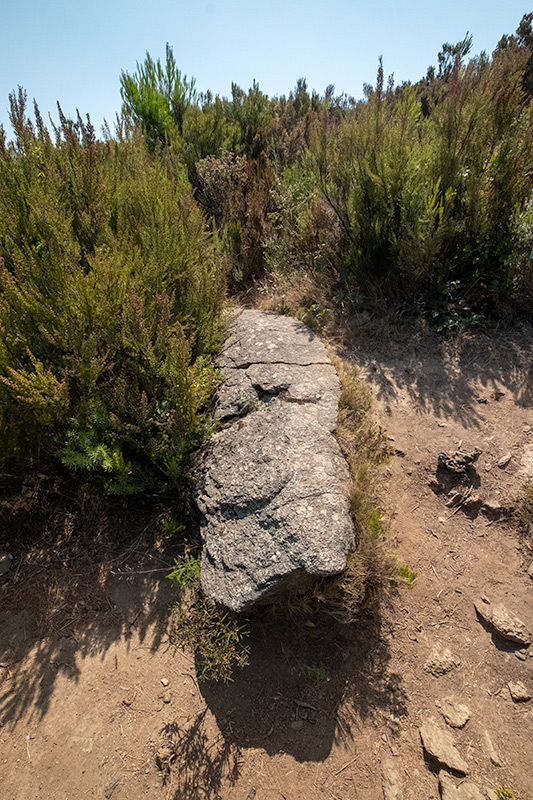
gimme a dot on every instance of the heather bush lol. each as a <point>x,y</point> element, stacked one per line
<point>110,296</point>
<point>157,96</point>
<point>429,199</point>
<point>235,191</point>
<point>305,231</point>
<point>415,189</point>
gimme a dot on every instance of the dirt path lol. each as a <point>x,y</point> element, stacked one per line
<point>321,707</point>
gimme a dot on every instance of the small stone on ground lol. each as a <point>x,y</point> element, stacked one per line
<point>454,712</point>
<point>503,622</point>
<point>440,746</point>
<point>518,692</point>
<point>465,790</point>
<point>491,750</point>
<point>440,661</point>
<point>504,460</point>
<point>390,780</point>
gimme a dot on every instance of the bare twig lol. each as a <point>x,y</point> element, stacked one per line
<point>345,766</point>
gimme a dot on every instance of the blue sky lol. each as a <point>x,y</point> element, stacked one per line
<point>74,52</point>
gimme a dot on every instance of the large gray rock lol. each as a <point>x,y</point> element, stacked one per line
<point>272,490</point>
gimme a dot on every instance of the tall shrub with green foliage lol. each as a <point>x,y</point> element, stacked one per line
<point>425,200</point>
<point>110,296</point>
<point>157,95</point>
<point>372,170</point>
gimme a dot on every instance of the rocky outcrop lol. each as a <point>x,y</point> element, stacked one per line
<point>272,490</point>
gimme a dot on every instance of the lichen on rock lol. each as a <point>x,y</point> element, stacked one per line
<point>272,488</point>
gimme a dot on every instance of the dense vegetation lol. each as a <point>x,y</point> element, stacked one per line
<point>115,253</point>
<point>110,295</point>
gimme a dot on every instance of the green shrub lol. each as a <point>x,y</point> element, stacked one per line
<point>186,572</point>
<point>429,199</point>
<point>110,298</point>
<point>504,793</point>
<point>213,633</point>
<point>157,95</point>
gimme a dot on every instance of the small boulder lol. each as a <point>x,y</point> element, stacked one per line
<point>440,661</point>
<point>465,790</point>
<point>439,745</point>
<point>518,692</point>
<point>454,712</point>
<point>391,781</point>
<point>6,560</point>
<point>503,622</point>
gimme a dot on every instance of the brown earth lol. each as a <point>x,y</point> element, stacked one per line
<point>84,639</point>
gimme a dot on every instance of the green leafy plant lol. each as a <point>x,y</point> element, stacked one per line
<point>504,793</point>
<point>405,576</point>
<point>186,571</point>
<point>157,95</point>
<point>110,301</point>
<point>171,526</point>
<point>318,673</point>
<point>216,636</point>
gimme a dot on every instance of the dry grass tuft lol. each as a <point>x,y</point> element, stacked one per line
<point>371,566</point>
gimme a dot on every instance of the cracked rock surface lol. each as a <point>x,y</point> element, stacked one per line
<point>272,490</point>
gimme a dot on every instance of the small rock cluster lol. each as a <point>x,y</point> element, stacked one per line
<point>455,478</point>
<point>437,740</point>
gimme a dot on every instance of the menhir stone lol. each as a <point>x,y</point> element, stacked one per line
<point>272,489</point>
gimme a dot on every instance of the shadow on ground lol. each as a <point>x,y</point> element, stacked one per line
<point>86,576</point>
<point>449,377</point>
<point>86,573</point>
<point>311,682</point>
<point>301,670</point>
